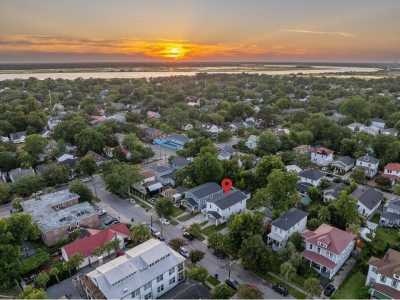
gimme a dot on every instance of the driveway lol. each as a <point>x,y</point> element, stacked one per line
<point>126,210</point>
<point>5,210</point>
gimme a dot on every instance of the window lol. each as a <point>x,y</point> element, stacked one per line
<point>310,246</point>
<point>160,278</point>
<point>180,267</point>
<point>160,288</point>
<point>148,296</point>
<point>394,283</point>
<point>373,269</point>
<point>383,278</point>
<point>171,271</point>
<point>172,280</point>
<point>136,293</point>
<point>180,276</point>
<point>147,286</point>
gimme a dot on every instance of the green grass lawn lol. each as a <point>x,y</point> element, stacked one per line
<point>212,280</point>
<point>391,236</point>
<point>375,218</point>
<point>177,212</point>
<point>293,292</point>
<point>352,288</point>
<point>212,228</point>
<point>187,216</point>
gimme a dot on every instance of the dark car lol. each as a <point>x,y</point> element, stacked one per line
<point>232,283</point>
<point>280,289</point>
<point>188,236</point>
<point>329,290</point>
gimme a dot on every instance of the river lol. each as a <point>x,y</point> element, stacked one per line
<point>152,74</point>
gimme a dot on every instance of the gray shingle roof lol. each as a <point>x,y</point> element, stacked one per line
<point>228,199</point>
<point>205,189</point>
<point>289,219</point>
<point>311,174</point>
<point>368,197</point>
<point>347,160</point>
<point>368,159</point>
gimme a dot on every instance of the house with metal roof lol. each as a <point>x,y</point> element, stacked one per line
<point>311,176</point>
<point>343,164</point>
<point>197,197</point>
<point>19,173</point>
<point>327,248</point>
<point>390,216</point>
<point>383,277</point>
<point>368,200</point>
<point>221,207</point>
<point>369,164</point>
<point>294,220</point>
<point>146,271</point>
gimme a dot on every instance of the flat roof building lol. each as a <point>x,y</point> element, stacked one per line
<point>146,271</point>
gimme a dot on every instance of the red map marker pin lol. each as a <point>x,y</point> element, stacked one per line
<point>226,184</point>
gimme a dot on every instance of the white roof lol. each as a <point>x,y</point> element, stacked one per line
<point>139,265</point>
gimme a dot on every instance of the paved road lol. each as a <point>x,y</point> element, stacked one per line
<point>5,210</point>
<point>126,210</point>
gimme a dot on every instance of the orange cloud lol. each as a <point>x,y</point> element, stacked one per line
<point>336,33</point>
<point>159,49</point>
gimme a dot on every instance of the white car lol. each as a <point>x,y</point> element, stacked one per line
<point>164,221</point>
<point>184,252</point>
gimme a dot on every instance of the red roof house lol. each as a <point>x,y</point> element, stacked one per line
<point>392,171</point>
<point>97,238</point>
<point>327,248</point>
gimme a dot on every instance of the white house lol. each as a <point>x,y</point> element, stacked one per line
<point>18,137</point>
<point>383,277</point>
<point>293,168</point>
<point>294,220</point>
<point>392,171</point>
<point>220,208</point>
<point>321,156</point>
<point>311,176</point>
<point>369,164</point>
<point>378,123</point>
<point>252,142</point>
<point>368,200</point>
<point>146,271</point>
<point>327,248</point>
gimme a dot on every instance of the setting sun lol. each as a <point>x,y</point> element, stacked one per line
<point>174,51</point>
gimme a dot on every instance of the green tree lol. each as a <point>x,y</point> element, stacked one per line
<point>42,279</point>
<point>197,273</point>
<point>121,177</point>
<point>254,254</point>
<point>55,174</point>
<point>358,175</point>
<point>5,192</point>
<point>87,165</point>
<point>77,187</point>
<point>69,129</point>
<point>176,243</point>
<point>247,291</point>
<point>195,230</point>
<point>356,107</point>
<point>297,240</point>
<point>281,190</point>
<point>74,262</point>
<point>265,167</point>
<point>164,208</point>
<point>32,293</point>
<point>268,143</point>
<point>222,291</point>
<point>35,145</point>
<point>138,150</point>
<point>207,168</point>
<point>27,185</point>
<point>346,206</point>
<point>287,270</point>
<point>8,161</point>
<point>139,233</point>
<point>90,139</point>
<point>218,242</point>
<point>241,227</point>
<point>196,255</point>
<point>312,286</point>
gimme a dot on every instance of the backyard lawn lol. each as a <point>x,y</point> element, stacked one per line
<point>353,287</point>
<point>213,228</point>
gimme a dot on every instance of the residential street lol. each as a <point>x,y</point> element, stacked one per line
<point>118,207</point>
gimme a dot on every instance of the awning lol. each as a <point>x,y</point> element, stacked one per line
<point>214,214</point>
<point>154,187</point>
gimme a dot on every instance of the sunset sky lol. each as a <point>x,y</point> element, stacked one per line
<point>199,30</point>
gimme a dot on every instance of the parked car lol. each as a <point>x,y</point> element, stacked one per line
<point>188,236</point>
<point>154,231</point>
<point>232,283</point>
<point>184,252</point>
<point>164,221</point>
<point>329,290</point>
<point>280,289</point>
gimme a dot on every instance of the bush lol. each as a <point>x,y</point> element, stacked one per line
<point>32,263</point>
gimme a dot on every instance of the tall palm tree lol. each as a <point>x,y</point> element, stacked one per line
<point>139,234</point>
